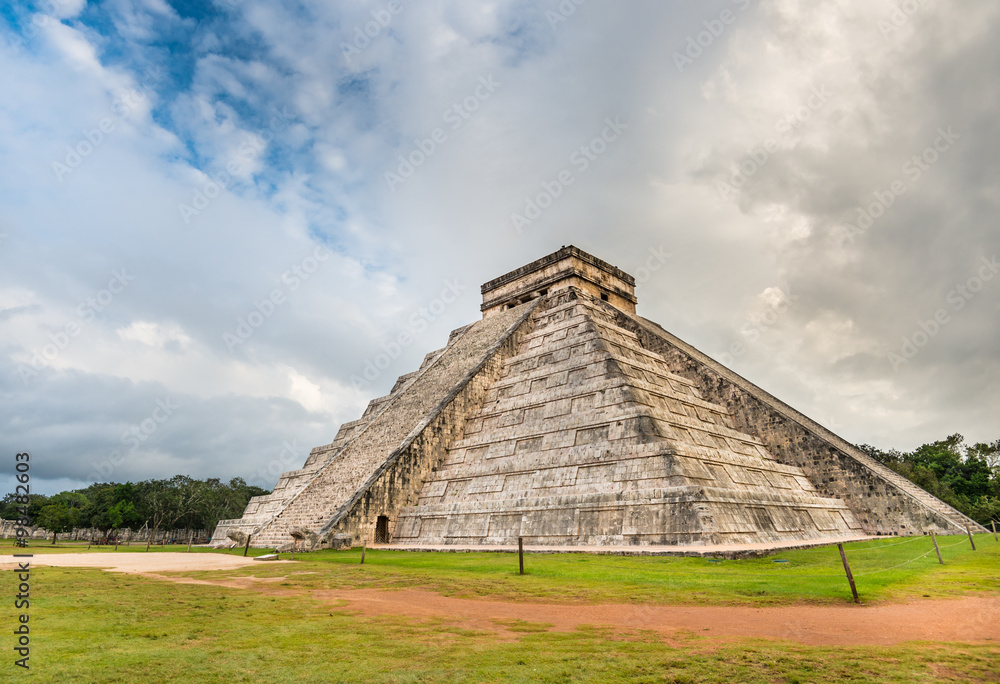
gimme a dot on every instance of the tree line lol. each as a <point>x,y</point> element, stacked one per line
<point>967,477</point>
<point>180,502</point>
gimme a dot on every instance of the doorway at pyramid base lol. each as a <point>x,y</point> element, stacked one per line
<point>565,419</point>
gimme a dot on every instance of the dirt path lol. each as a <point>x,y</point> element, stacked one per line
<point>968,620</point>
<point>136,562</point>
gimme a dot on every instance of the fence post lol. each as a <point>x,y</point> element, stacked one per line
<point>934,539</point>
<point>247,547</point>
<point>971,540</point>
<point>520,554</point>
<point>847,569</point>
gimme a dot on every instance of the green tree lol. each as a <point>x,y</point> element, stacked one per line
<point>11,509</point>
<point>225,501</point>
<point>966,477</point>
<point>111,506</point>
<point>58,516</point>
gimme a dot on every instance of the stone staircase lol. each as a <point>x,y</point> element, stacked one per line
<point>334,473</point>
<point>262,510</point>
<point>587,438</point>
<point>957,518</point>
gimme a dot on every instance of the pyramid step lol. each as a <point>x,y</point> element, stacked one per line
<point>561,396</point>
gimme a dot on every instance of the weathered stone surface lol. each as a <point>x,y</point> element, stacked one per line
<point>884,501</point>
<point>569,267</point>
<point>565,418</point>
<point>588,438</point>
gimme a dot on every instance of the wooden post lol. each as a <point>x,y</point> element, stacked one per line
<point>363,553</point>
<point>934,539</point>
<point>847,569</point>
<point>247,547</point>
<point>520,554</point>
<point>190,539</point>
<point>971,540</point>
<point>994,523</point>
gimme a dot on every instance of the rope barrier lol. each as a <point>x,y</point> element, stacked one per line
<point>946,546</point>
<point>875,572</point>
<point>789,571</point>
<point>886,546</point>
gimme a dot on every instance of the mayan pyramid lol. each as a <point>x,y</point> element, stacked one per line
<point>565,418</point>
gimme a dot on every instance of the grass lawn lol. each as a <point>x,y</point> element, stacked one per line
<point>810,575</point>
<point>93,626</point>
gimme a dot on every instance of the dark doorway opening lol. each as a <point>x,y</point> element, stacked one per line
<point>382,530</point>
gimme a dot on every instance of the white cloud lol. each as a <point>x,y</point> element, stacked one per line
<point>320,180</point>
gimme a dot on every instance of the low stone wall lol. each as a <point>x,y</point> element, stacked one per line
<point>8,530</point>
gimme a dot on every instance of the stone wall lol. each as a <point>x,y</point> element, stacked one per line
<point>8,530</point>
<point>569,267</point>
<point>884,502</point>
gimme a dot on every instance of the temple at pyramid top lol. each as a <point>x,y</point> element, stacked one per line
<point>564,418</point>
<point>569,267</point>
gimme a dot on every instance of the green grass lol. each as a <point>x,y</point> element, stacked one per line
<point>93,626</point>
<point>809,575</point>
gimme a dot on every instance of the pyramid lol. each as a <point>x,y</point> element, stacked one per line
<point>564,418</point>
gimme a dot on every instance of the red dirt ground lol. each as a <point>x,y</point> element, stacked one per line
<point>969,619</point>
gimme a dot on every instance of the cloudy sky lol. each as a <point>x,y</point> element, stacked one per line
<point>215,215</point>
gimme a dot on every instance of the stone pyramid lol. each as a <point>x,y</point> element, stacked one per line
<point>564,418</point>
